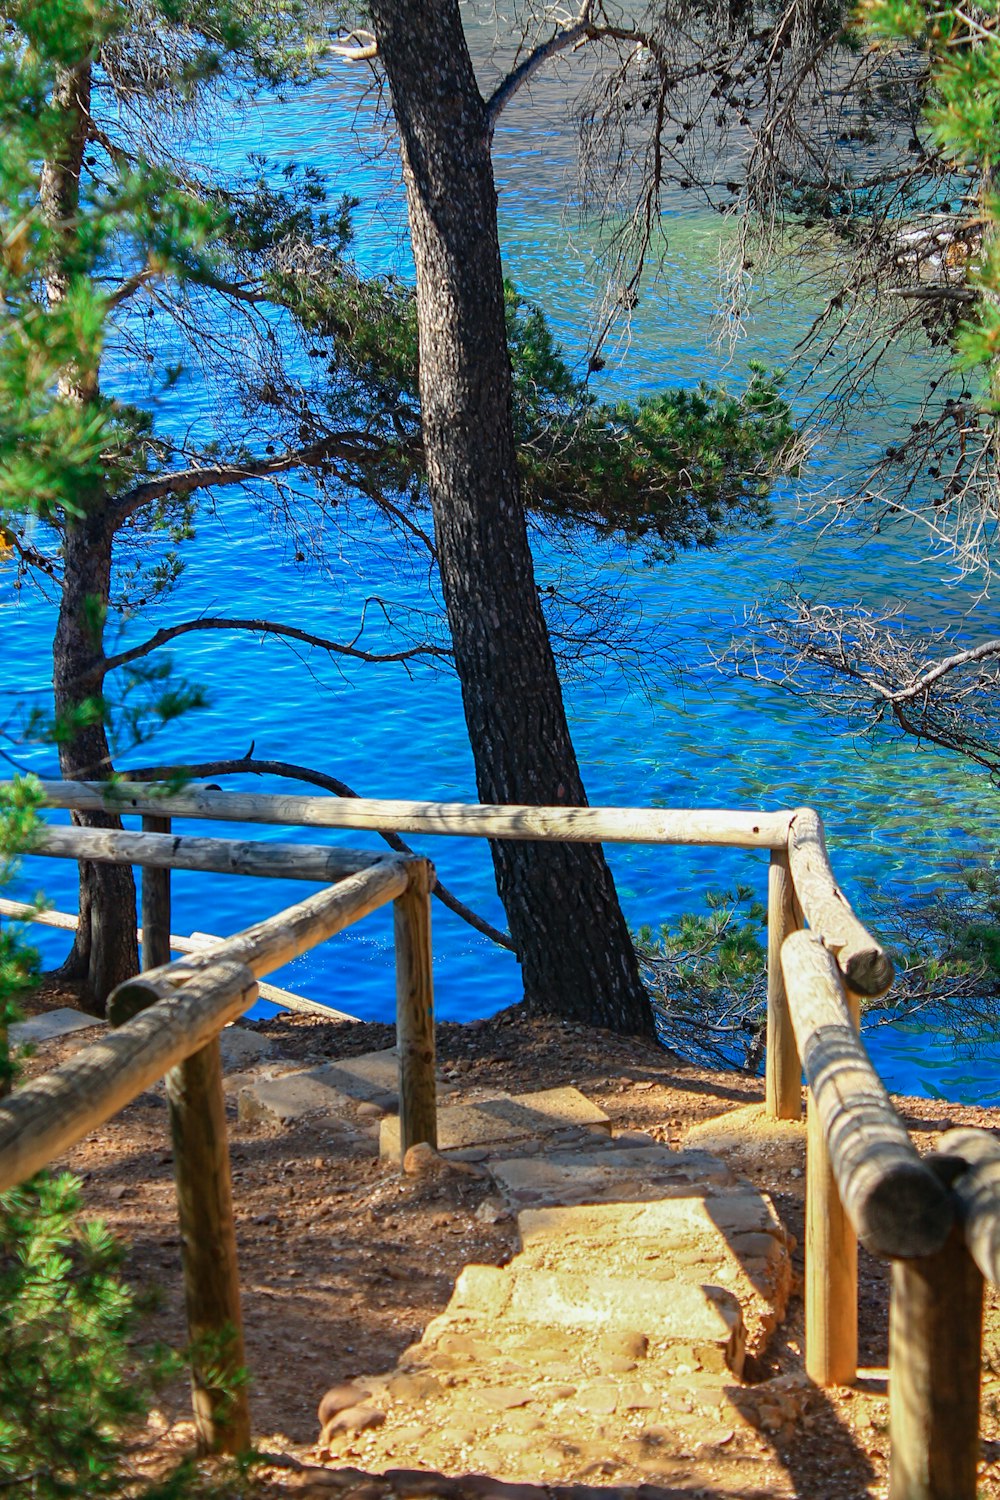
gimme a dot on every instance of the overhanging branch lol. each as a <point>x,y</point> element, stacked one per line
<point>350,446</point>
<point>357,46</point>
<point>578,30</point>
<point>263,627</point>
<point>247,764</point>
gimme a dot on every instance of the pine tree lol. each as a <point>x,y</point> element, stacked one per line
<point>119,243</point>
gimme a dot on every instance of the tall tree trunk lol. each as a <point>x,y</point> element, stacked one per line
<point>105,950</point>
<point>576,956</point>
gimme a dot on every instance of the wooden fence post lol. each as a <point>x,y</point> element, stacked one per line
<point>208,1251</point>
<point>155,905</point>
<point>783,1070</point>
<point>204,1210</point>
<point>415,1010</point>
<point>935,1360</point>
<point>831,1292</point>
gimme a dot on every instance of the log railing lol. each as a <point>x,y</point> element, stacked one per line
<point>937,1220</point>
<point>167,1023</point>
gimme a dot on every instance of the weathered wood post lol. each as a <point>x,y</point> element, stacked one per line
<point>864,1177</point>
<point>936,1331</point>
<point>155,905</point>
<point>207,1226</point>
<point>415,1009</point>
<point>831,1289</point>
<point>208,1251</point>
<point>935,1357</point>
<point>783,1070</point>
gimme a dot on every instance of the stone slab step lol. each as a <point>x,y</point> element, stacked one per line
<point>625,1174</point>
<point>587,1229</point>
<point>326,1089</point>
<point>291,1097</point>
<point>371,1075</point>
<point>733,1239</point>
<point>506,1119</point>
<point>51,1024</point>
<point>241,1048</point>
<point>706,1317</point>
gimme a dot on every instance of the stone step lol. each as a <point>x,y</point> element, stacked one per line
<point>613,1343</point>
<point>371,1075</point>
<point>739,1212</point>
<point>615,1175</point>
<point>733,1239</point>
<point>293,1096</point>
<point>241,1048</point>
<point>705,1317</point>
<point>505,1119</point>
<point>51,1024</point>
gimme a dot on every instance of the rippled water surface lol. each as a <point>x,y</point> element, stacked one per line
<point>898,819</point>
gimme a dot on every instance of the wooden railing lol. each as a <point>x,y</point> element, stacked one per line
<point>936,1219</point>
<point>167,1022</point>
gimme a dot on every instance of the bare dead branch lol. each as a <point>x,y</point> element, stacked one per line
<point>870,668</point>
<point>357,46</point>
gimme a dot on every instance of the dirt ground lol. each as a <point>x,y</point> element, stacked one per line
<point>344,1260</point>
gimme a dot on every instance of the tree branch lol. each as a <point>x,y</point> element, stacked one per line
<point>331,784</point>
<point>578,30</point>
<point>130,286</point>
<point>351,446</point>
<point>262,627</point>
<point>29,555</point>
<point>933,674</point>
<point>357,46</point>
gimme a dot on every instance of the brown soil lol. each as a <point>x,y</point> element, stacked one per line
<point>344,1261</point>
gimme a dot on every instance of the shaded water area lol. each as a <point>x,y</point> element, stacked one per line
<point>900,820</point>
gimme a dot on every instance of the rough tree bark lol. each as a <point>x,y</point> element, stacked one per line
<point>105,949</point>
<point>576,956</point>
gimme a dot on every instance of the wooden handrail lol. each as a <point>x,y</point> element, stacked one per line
<point>977,1194</point>
<point>47,1115</point>
<point>896,1203</point>
<point>864,963</point>
<point>168,1022</point>
<point>222,856</point>
<point>183,1005</point>
<point>22,911</point>
<point>939,1221</point>
<point>591,825</point>
<point>801,882</point>
<point>275,941</point>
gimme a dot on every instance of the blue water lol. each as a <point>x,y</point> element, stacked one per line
<point>899,819</point>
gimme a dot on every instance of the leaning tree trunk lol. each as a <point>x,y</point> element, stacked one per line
<point>572,941</point>
<point>105,950</point>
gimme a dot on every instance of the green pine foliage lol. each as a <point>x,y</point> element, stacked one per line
<point>19,805</point>
<point>707,977</point>
<point>66,1370</point>
<point>668,471</point>
<point>671,471</point>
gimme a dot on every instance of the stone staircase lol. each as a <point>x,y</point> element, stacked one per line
<point>614,1344</point>
<point>617,1346</point>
